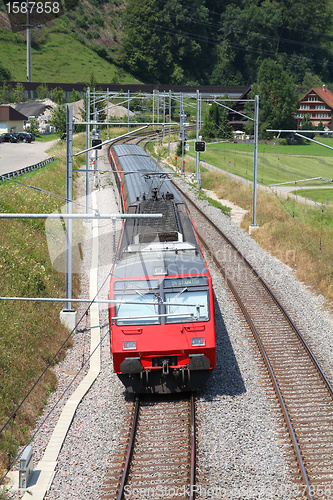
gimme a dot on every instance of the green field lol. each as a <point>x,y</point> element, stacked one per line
<point>276,163</point>
<point>324,196</point>
<point>61,58</point>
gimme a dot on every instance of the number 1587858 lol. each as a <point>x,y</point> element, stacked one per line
<point>33,7</point>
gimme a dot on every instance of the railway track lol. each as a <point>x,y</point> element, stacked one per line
<point>160,456</point>
<point>304,393</point>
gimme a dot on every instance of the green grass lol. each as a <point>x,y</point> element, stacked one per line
<point>324,196</point>
<point>62,58</point>
<point>47,138</point>
<point>215,203</point>
<point>30,333</point>
<point>275,164</point>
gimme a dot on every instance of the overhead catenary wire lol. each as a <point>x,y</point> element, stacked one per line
<point>216,41</point>
<point>258,22</point>
<point>84,363</point>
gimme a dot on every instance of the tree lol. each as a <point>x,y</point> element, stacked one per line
<point>277,99</point>
<point>42,91</point>
<point>75,96</point>
<point>33,126</point>
<point>310,81</point>
<point>307,125</point>
<point>5,74</point>
<point>4,94</point>
<point>217,123</point>
<point>224,126</point>
<point>58,119</point>
<point>99,104</point>
<point>17,93</point>
<point>58,95</point>
<point>164,40</point>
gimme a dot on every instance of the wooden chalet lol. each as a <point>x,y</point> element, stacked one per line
<point>317,106</point>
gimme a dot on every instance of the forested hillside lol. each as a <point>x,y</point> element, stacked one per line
<point>224,42</point>
<point>204,41</point>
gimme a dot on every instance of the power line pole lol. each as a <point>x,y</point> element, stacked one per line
<point>255,163</point>
<point>28,45</point>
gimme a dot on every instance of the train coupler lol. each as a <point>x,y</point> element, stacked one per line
<point>165,368</point>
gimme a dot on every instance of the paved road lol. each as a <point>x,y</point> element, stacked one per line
<point>14,156</point>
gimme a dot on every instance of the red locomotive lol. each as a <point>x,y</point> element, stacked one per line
<point>162,321</point>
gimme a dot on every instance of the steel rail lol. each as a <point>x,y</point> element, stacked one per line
<point>193,449</point>
<point>129,449</point>
<point>270,371</point>
<point>310,353</point>
<point>261,348</point>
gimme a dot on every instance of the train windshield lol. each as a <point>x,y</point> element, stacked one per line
<point>187,305</point>
<point>137,309</point>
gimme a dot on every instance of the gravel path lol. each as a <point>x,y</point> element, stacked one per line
<point>241,453</point>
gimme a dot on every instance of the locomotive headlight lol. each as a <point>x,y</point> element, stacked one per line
<point>198,342</point>
<point>129,344</point>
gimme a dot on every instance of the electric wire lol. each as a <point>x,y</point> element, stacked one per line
<point>215,41</point>
<point>14,413</point>
<point>317,205</point>
<point>43,191</point>
<point>55,404</point>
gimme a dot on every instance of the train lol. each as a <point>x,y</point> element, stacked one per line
<point>161,312</point>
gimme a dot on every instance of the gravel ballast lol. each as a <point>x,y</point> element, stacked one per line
<point>241,447</point>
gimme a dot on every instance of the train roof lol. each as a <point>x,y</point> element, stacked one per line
<point>166,246</point>
<point>142,174</point>
<point>163,264</point>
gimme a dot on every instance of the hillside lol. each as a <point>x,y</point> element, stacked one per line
<point>71,48</point>
<point>60,68</point>
<point>205,42</point>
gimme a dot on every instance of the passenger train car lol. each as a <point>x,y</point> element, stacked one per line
<point>162,320</point>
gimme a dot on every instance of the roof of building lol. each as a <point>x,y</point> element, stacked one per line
<point>324,94</point>
<point>34,108</point>
<point>8,113</point>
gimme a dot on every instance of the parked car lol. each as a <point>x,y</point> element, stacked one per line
<point>24,137</point>
<point>2,139</point>
<point>10,137</point>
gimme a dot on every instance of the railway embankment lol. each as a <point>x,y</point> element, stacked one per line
<point>32,336</point>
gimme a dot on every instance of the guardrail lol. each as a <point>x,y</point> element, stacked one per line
<point>24,170</point>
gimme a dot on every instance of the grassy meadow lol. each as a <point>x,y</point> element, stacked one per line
<point>68,60</point>
<point>276,163</point>
<point>30,333</point>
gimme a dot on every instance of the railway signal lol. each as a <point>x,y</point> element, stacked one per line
<point>200,146</point>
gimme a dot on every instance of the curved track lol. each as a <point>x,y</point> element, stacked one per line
<point>304,393</point>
